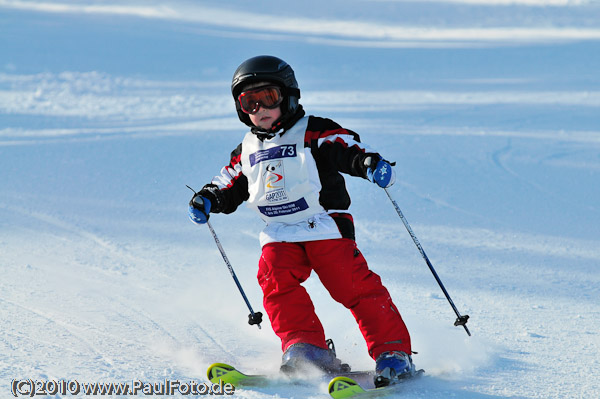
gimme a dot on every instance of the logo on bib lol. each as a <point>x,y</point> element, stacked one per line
<point>274,180</point>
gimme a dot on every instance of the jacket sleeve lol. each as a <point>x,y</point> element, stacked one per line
<point>229,189</point>
<point>340,148</point>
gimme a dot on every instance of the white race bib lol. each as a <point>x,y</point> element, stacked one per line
<point>283,180</point>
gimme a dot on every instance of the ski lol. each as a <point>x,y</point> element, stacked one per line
<point>346,387</point>
<point>228,374</point>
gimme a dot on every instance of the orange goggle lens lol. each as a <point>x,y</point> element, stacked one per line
<point>266,97</point>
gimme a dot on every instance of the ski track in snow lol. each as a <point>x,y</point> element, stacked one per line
<point>352,32</point>
<point>104,278</point>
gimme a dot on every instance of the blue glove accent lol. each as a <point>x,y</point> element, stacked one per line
<point>383,175</point>
<point>199,209</point>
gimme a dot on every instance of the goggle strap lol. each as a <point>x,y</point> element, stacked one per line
<point>290,91</point>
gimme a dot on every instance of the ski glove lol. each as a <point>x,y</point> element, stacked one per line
<point>199,209</point>
<point>379,171</point>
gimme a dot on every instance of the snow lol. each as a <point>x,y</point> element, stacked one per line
<point>489,108</point>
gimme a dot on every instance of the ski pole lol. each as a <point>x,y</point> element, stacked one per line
<point>460,320</point>
<point>253,318</point>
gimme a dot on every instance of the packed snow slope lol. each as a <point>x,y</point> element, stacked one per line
<point>491,110</point>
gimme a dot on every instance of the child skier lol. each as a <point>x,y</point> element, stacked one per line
<point>288,169</point>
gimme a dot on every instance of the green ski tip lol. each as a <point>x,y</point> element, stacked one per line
<point>344,387</point>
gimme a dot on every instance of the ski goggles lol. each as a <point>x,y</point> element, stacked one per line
<point>267,97</point>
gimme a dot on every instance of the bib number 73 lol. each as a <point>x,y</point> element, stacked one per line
<point>288,151</point>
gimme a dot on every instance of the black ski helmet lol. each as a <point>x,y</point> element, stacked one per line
<point>266,68</point>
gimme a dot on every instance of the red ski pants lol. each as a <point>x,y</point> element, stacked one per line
<point>344,272</point>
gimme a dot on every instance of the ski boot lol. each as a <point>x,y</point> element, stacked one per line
<point>390,367</point>
<point>300,358</point>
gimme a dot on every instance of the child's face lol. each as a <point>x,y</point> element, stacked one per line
<point>265,117</point>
